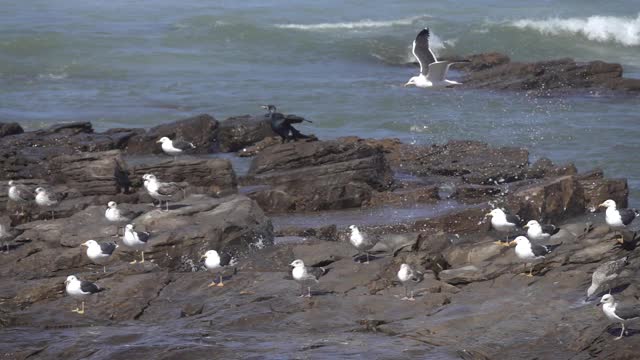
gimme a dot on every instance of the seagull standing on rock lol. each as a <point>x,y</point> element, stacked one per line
<point>100,253</point>
<point>20,194</point>
<point>538,232</point>
<point>618,219</point>
<point>617,312</point>
<point>217,262</point>
<point>361,241</point>
<point>175,147</point>
<point>162,191</point>
<point>306,276</point>
<point>80,289</point>
<point>46,199</point>
<point>135,240</point>
<point>116,215</point>
<point>606,273</point>
<point>505,223</point>
<point>408,277</point>
<point>531,253</point>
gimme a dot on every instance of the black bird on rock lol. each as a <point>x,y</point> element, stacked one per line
<point>281,124</point>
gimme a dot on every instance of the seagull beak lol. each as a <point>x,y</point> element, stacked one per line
<point>526,226</point>
<point>487,214</point>
<point>407,84</point>
<point>203,256</point>
<point>512,242</point>
<point>158,142</point>
<point>601,205</point>
<point>84,244</point>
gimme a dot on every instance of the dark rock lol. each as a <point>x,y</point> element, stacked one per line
<point>544,167</point>
<point>238,132</point>
<point>404,197</point>
<point>207,176</point>
<point>545,76</point>
<point>475,193</point>
<point>201,130</point>
<point>596,191</point>
<point>319,175</point>
<point>7,129</point>
<point>100,173</point>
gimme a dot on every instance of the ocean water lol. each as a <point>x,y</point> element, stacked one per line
<point>342,64</point>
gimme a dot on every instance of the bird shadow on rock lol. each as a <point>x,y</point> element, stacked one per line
<point>362,258</point>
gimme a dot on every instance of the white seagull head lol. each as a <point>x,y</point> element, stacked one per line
<point>128,227</point>
<point>532,223</point>
<point>495,213</point>
<point>112,205</point>
<point>89,243</point>
<point>411,81</point>
<point>608,204</point>
<point>210,253</point>
<point>297,263</point>
<point>520,240</point>
<point>70,278</point>
<point>163,140</point>
<point>607,299</point>
<point>39,190</point>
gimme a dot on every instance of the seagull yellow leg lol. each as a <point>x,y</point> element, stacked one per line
<point>621,332</point>
<point>134,260</point>
<point>142,261</point>
<point>82,310</point>
<point>213,283</point>
<point>220,283</point>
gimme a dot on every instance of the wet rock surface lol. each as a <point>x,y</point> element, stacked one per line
<point>472,304</point>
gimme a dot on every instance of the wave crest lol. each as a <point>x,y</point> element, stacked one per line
<point>623,30</point>
<point>362,24</point>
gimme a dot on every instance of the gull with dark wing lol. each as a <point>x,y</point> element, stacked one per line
<point>217,262</point>
<point>116,215</point>
<point>618,219</point>
<point>306,276</point>
<point>175,147</point>
<point>100,253</point>
<point>531,253</point>
<point>80,289</point>
<point>505,223</point>
<point>433,73</point>
<point>135,240</point>
<point>162,191</point>
<point>617,312</point>
<point>540,232</point>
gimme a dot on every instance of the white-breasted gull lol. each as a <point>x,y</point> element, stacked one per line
<point>116,215</point>
<point>618,219</point>
<point>617,312</point>
<point>135,240</point>
<point>531,253</point>
<point>79,289</point>
<point>175,147</point>
<point>100,253</point>
<point>217,262</point>
<point>47,199</point>
<point>540,232</point>
<point>20,194</point>
<point>409,278</point>
<point>362,241</point>
<point>433,73</point>
<point>162,191</point>
<point>306,276</point>
<point>504,223</point>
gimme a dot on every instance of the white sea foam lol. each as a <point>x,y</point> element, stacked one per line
<point>362,24</point>
<point>623,30</point>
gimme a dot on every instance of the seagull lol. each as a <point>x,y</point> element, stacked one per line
<point>99,253</point>
<point>77,288</point>
<point>135,239</point>
<point>306,275</point>
<point>174,147</point>
<point>361,241</point>
<point>5,236</point>
<point>46,199</point>
<point>116,215</point>
<point>503,222</point>
<point>606,273</point>
<point>617,312</point>
<point>20,194</point>
<point>162,191</point>
<point>538,232</point>
<point>531,253</point>
<point>618,219</point>
<point>281,125</point>
<point>408,277</point>
<point>432,71</point>
<point>145,179</point>
<point>217,262</point>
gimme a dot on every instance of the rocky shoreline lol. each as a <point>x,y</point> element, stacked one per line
<point>471,284</point>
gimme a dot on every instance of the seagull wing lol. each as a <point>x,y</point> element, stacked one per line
<point>227,259</point>
<point>183,145</point>
<point>438,71</point>
<point>107,248</point>
<point>539,250</point>
<point>421,50</point>
<point>627,215</point>
<point>143,236</point>
<point>549,229</point>
<point>24,193</point>
<point>168,189</point>
<point>627,312</point>
<point>316,272</point>
<point>89,287</point>
<point>514,219</point>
